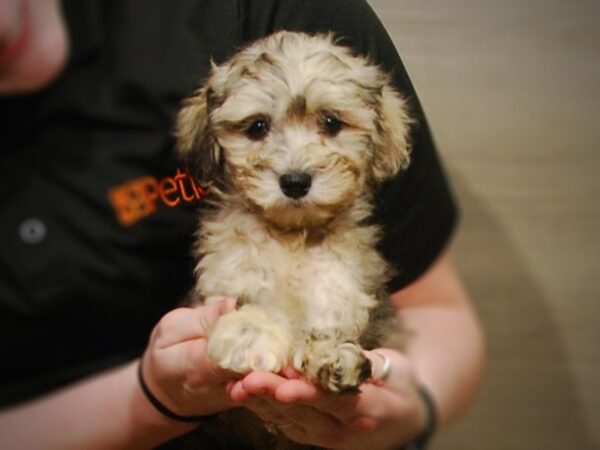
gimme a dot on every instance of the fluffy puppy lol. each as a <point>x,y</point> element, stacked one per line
<point>294,133</point>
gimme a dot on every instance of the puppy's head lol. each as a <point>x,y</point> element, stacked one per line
<point>296,126</point>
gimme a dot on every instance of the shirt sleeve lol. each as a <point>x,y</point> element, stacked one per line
<point>416,208</point>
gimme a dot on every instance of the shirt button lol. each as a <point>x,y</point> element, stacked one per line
<point>32,231</point>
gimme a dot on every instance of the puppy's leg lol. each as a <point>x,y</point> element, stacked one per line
<point>336,316</point>
<point>250,338</point>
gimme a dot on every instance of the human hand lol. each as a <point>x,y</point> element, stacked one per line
<point>382,415</point>
<point>175,368</point>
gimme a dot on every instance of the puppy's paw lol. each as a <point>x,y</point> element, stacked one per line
<point>243,341</point>
<point>334,365</point>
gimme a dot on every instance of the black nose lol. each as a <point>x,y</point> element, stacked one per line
<point>295,184</point>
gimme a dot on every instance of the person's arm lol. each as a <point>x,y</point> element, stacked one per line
<point>445,354</point>
<point>110,411</point>
<point>106,412</point>
<point>446,347</point>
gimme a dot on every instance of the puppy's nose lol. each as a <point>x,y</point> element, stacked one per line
<point>295,184</point>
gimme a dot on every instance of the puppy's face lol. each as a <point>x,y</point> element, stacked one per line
<point>296,126</point>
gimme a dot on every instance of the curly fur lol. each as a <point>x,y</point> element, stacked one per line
<point>304,267</point>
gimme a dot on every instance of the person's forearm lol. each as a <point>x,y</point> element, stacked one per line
<point>105,412</point>
<point>446,344</point>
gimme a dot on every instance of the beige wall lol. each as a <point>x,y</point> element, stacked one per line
<point>511,88</point>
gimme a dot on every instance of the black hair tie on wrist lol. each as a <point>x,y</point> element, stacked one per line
<point>162,408</point>
<point>420,443</point>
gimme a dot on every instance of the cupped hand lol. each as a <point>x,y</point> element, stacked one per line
<point>383,414</point>
<point>175,367</point>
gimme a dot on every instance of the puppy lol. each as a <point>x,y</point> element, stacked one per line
<point>294,134</point>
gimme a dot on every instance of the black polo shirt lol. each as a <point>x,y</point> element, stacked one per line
<point>96,214</point>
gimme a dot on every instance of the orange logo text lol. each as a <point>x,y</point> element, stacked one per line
<point>140,197</point>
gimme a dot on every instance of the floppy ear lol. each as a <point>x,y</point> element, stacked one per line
<point>392,152</point>
<point>196,143</point>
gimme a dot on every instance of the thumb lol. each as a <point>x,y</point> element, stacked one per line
<point>185,324</point>
<point>209,314</point>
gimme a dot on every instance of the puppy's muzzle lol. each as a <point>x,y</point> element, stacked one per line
<point>295,184</point>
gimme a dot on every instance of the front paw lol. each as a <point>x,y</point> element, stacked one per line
<point>248,340</point>
<point>334,365</point>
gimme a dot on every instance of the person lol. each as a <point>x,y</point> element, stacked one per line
<point>98,217</point>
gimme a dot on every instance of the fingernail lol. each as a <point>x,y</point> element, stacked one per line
<point>230,386</point>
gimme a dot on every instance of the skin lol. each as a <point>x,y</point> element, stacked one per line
<point>45,44</point>
<point>109,411</point>
<point>445,355</point>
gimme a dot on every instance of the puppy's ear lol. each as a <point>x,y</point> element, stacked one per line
<point>195,140</point>
<point>392,151</point>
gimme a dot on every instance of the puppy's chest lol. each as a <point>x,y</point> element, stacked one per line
<point>253,265</point>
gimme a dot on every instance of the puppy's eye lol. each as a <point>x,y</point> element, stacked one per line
<point>331,125</point>
<point>258,129</point>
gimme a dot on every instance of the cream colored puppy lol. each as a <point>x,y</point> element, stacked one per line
<point>293,134</point>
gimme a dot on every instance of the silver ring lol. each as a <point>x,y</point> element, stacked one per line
<point>386,369</point>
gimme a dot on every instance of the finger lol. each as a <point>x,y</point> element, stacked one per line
<point>237,392</point>
<point>311,414</point>
<point>306,424</point>
<point>281,393</point>
<point>260,383</point>
<point>255,384</point>
<point>304,392</point>
<point>183,324</point>
<point>296,391</point>
<point>210,313</point>
<point>390,368</point>
<point>361,412</point>
<point>299,393</point>
<point>282,389</point>
<point>381,365</point>
<point>290,373</point>
<point>188,359</point>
